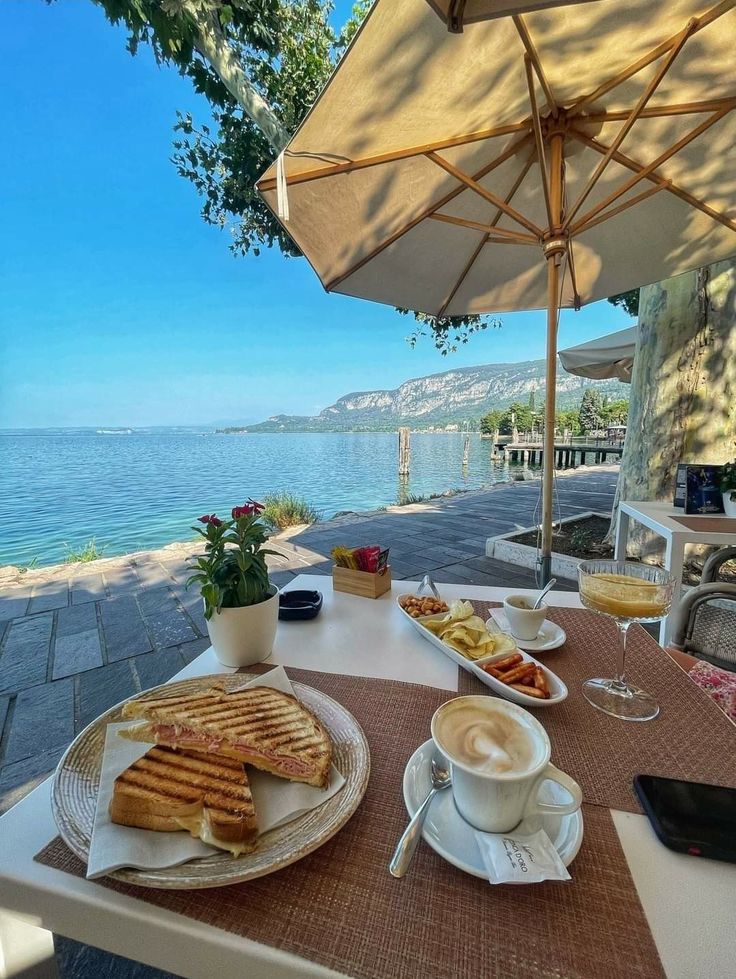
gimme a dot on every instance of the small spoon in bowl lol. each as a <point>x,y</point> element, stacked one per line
<point>543,592</point>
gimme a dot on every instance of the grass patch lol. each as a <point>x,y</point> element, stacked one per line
<point>411,498</point>
<point>284,509</point>
<point>89,552</point>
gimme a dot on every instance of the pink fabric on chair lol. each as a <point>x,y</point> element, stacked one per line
<point>719,684</point>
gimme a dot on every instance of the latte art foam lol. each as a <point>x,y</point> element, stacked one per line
<point>485,740</point>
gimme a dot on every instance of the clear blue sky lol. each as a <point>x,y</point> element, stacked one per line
<point>119,306</point>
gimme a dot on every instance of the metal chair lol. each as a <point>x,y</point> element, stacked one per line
<point>713,564</point>
<point>705,623</point>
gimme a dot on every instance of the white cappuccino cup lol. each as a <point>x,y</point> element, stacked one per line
<point>499,756</point>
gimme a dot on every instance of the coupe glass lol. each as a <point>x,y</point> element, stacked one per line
<point>626,593</point>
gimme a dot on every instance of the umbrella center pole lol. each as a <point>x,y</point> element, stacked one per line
<point>554,247</point>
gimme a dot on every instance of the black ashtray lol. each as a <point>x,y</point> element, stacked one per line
<point>298,604</point>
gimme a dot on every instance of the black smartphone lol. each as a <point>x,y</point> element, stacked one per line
<point>690,817</point>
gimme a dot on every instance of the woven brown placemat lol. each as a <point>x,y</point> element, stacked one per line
<point>691,738</point>
<point>341,908</point>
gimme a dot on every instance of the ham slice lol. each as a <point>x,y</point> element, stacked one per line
<point>180,736</point>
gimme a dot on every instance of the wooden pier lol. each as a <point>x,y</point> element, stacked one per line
<point>567,454</point>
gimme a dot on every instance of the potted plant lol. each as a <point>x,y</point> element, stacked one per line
<point>728,488</point>
<point>241,606</point>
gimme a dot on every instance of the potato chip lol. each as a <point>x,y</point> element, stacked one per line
<point>466,632</point>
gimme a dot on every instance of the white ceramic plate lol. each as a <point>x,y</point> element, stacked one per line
<point>448,834</point>
<point>550,636</point>
<point>557,689</point>
<point>74,796</point>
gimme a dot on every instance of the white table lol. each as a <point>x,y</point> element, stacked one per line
<point>688,902</point>
<point>659,517</point>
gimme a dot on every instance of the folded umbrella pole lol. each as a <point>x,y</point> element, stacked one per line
<point>538,158</point>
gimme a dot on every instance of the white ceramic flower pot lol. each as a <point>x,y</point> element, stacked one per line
<point>729,505</point>
<point>243,636</point>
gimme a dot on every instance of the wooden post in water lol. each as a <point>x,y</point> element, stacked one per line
<point>404,452</point>
<point>466,451</point>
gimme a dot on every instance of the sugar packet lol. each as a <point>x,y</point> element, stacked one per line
<point>520,858</point>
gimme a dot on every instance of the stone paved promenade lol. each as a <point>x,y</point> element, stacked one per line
<point>77,639</point>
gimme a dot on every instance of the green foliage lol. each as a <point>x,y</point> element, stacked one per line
<point>581,539</point>
<point>490,422</point>
<point>232,572</point>
<point>629,301</point>
<point>615,412</point>
<point>590,411</point>
<point>728,479</point>
<point>569,419</point>
<point>284,509</point>
<point>447,332</point>
<point>516,416</point>
<point>89,552</point>
<point>532,401</point>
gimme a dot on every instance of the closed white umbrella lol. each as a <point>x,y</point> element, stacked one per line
<point>543,159</point>
<point>609,356</point>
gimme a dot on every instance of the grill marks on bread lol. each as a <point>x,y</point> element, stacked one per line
<point>171,789</point>
<point>190,777</point>
<point>252,722</point>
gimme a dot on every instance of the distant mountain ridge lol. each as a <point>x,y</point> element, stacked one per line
<point>450,397</point>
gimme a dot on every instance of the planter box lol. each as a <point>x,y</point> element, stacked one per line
<point>502,548</point>
<point>361,583</point>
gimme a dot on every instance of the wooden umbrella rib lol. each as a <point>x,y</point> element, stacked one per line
<point>651,167</point>
<point>634,114</point>
<point>700,22</point>
<point>469,264</point>
<point>658,111</point>
<point>495,240</point>
<point>510,150</point>
<point>269,183</point>
<point>486,194</point>
<point>515,237</point>
<point>661,181</point>
<point>579,227</point>
<point>539,141</point>
<point>533,56</point>
<point>577,303</point>
<point>487,239</point>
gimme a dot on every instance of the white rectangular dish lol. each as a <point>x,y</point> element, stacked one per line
<point>557,689</point>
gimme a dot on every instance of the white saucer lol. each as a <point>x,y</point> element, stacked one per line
<point>550,635</point>
<point>448,834</point>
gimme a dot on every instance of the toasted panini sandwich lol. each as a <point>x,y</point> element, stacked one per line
<point>170,789</point>
<point>260,726</point>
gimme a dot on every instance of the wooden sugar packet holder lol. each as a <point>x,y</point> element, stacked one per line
<point>366,584</point>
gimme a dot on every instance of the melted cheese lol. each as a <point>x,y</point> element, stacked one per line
<point>199,827</point>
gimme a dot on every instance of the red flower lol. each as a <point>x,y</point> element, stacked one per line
<point>242,511</point>
<point>210,518</point>
<point>256,507</point>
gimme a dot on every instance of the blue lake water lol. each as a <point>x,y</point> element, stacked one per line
<point>129,492</point>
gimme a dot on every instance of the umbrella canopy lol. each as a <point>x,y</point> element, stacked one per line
<point>457,13</point>
<point>609,356</point>
<point>542,159</point>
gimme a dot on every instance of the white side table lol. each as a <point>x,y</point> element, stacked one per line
<point>660,518</point>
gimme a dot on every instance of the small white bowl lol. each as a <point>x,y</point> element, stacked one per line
<point>524,622</point>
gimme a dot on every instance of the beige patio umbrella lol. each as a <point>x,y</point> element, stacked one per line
<point>608,356</point>
<point>542,159</point>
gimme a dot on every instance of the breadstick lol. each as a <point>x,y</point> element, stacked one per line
<point>511,676</point>
<point>507,662</point>
<point>540,681</point>
<point>529,691</point>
